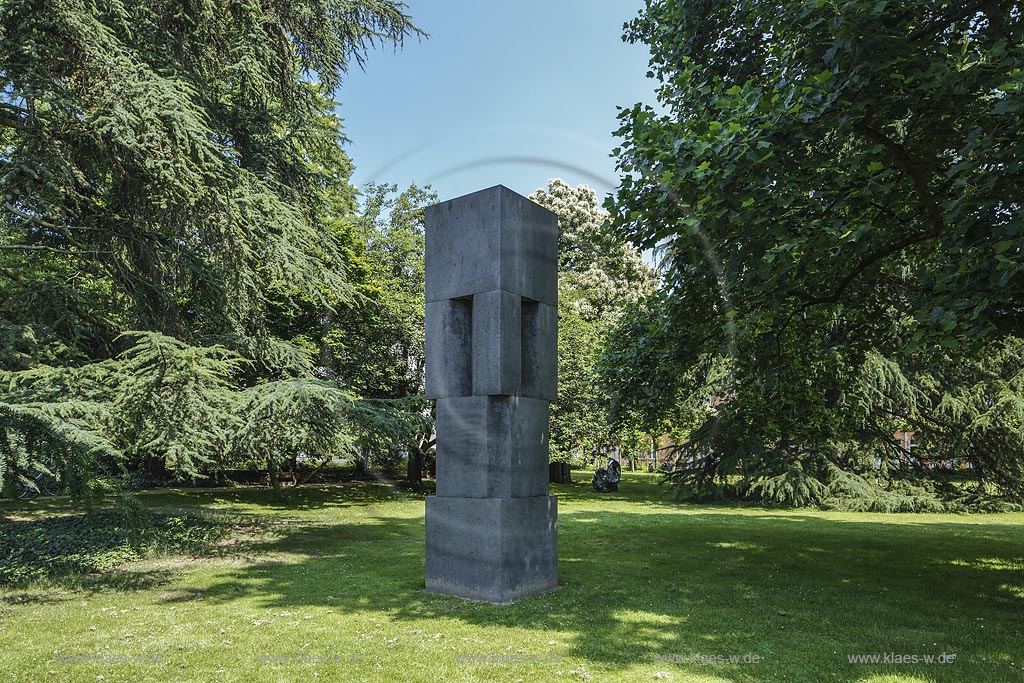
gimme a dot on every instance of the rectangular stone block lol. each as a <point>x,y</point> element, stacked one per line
<point>491,239</point>
<point>532,270</point>
<point>539,347</point>
<point>492,447</point>
<point>496,343</point>
<point>491,549</point>
<point>448,348</point>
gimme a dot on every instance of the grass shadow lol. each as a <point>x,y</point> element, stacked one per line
<point>641,585</point>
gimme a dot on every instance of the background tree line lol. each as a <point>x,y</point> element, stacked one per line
<point>189,278</point>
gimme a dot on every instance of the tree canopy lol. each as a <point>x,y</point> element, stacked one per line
<point>835,189</point>
<point>173,167</point>
<point>176,170</point>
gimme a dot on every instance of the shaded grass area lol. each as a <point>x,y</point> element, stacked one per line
<point>330,585</point>
<point>65,545</point>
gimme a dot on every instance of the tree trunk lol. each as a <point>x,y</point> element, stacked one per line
<point>414,470</point>
<point>362,458</point>
<point>274,474</point>
<point>559,473</point>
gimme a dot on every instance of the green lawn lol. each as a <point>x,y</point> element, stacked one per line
<point>330,587</point>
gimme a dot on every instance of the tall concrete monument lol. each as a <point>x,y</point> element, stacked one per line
<point>491,364</point>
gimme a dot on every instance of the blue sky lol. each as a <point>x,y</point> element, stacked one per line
<point>501,92</point>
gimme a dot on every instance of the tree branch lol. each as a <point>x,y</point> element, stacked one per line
<point>12,116</point>
<point>55,250</point>
<point>942,23</point>
<point>908,166</point>
<point>866,262</point>
<point>33,219</point>
<point>12,274</point>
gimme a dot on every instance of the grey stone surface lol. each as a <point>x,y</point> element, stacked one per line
<point>539,363</point>
<point>448,348</point>
<point>491,239</point>
<point>492,447</point>
<point>491,364</point>
<point>492,549</point>
<point>496,343</point>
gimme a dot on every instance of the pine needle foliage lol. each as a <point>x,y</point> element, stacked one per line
<point>172,184</point>
<point>179,157</point>
<point>165,399</point>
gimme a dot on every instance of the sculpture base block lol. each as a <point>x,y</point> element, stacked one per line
<point>492,549</point>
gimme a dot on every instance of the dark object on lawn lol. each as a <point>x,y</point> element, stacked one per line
<point>607,480</point>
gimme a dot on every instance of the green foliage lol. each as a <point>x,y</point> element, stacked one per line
<point>856,153</point>
<point>160,398</point>
<point>43,428</point>
<point>165,399</point>
<point>288,418</point>
<point>854,493</point>
<point>964,410</point>
<point>55,547</point>
<point>376,346</point>
<point>834,190</point>
<point>177,169</point>
<point>175,402</point>
<point>599,277</point>
<point>178,160</point>
<point>386,426</point>
<point>579,424</point>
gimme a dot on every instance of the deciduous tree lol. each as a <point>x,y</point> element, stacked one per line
<point>830,184</point>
